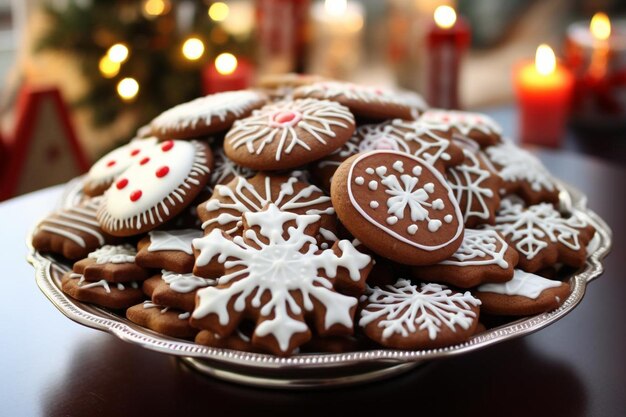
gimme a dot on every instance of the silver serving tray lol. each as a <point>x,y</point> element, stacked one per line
<point>311,369</point>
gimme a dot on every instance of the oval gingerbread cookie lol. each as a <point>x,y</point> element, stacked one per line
<point>399,206</point>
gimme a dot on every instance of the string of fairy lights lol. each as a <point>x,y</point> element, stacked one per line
<point>192,48</point>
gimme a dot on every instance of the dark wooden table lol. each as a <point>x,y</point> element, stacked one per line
<point>51,366</point>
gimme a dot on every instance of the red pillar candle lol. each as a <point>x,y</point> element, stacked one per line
<point>226,73</point>
<point>447,40</point>
<point>544,90</point>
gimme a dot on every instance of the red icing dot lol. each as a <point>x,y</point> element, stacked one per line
<point>134,152</point>
<point>163,171</point>
<point>121,183</point>
<point>135,195</point>
<point>167,146</point>
<point>144,161</point>
<point>284,117</point>
<point>111,163</point>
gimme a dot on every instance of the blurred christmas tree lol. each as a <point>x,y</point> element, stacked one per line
<point>139,56</point>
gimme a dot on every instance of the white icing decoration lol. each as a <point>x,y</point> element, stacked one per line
<point>224,170</point>
<point>398,166</point>
<point>176,240</point>
<point>448,218</point>
<point>359,180</point>
<point>114,254</point>
<point>120,286</point>
<point>516,164</point>
<point>101,283</point>
<point>405,196</point>
<point>480,247</point>
<point>185,283</point>
<point>406,308</point>
<point>268,261</point>
<point>72,222</point>
<point>412,229</point>
<point>203,109</point>
<point>184,316</point>
<point>523,283</point>
<point>374,204</point>
<point>373,185</point>
<point>467,181</point>
<point>530,229</point>
<point>245,198</point>
<point>111,165</point>
<point>369,170</point>
<point>464,122</point>
<point>150,304</point>
<point>392,220</point>
<point>186,161</point>
<point>316,118</point>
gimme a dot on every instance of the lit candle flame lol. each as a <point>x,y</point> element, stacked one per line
<point>445,17</point>
<point>600,26</point>
<point>545,60</point>
<point>226,63</point>
<point>336,7</point>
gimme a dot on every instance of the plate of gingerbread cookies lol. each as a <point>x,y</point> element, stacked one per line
<point>318,234</point>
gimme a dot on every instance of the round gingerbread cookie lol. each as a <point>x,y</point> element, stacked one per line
<point>426,316</point>
<point>224,170</point>
<point>476,126</point>
<point>206,115</point>
<point>288,134</point>
<point>155,188</point>
<point>110,166</point>
<point>524,295</point>
<point>366,101</point>
<point>398,206</point>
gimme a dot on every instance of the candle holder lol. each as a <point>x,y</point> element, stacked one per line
<point>598,62</point>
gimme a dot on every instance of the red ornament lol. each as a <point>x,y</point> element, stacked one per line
<point>135,195</point>
<point>121,183</point>
<point>163,171</point>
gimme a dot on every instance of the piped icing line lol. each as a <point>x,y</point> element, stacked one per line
<point>69,222</point>
<point>101,283</point>
<point>523,284</point>
<point>245,198</point>
<point>405,308</point>
<point>224,168</point>
<point>466,181</point>
<point>175,240</point>
<point>141,214</point>
<point>464,122</point>
<point>114,254</point>
<point>280,121</point>
<point>111,165</point>
<point>185,283</point>
<point>204,109</point>
<point>397,203</point>
<point>479,247</point>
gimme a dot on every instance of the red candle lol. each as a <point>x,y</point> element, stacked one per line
<point>544,90</point>
<point>226,73</point>
<point>447,39</point>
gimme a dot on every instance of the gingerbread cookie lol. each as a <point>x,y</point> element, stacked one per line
<point>542,237</point>
<point>176,290</point>
<point>156,188</point>
<point>113,263</point>
<point>225,170</point>
<point>288,134</point>
<point>365,101</point>
<point>277,276</point>
<point>225,209</point>
<point>484,256</point>
<point>168,249</point>
<point>398,206</point>
<point>110,166</point>
<point>524,295</point>
<point>238,340</point>
<point>165,320</point>
<point>206,115</point>
<point>476,188</point>
<point>523,173</point>
<point>478,127</point>
<point>408,316</point>
<point>73,232</point>
<point>103,293</point>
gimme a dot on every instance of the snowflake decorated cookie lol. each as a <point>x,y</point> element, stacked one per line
<point>543,237</point>
<point>288,134</point>
<point>428,142</point>
<point>175,290</point>
<point>168,249</point>
<point>161,319</point>
<point>206,115</point>
<point>366,101</point>
<point>484,256</point>
<point>156,188</point>
<point>426,316</point>
<point>113,263</point>
<point>276,275</point>
<point>102,292</point>
<point>524,295</point>
<point>225,209</point>
<point>225,170</point>
<point>478,127</point>
<point>476,188</point>
<point>522,173</point>
<point>399,206</point>
<point>72,232</point>
<point>102,174</point>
